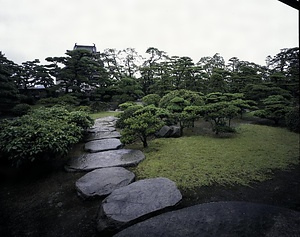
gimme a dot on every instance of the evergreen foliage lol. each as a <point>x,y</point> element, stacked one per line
<point>275,108</point>
<point>143,123</point>
<point>45,133</point>
<point>8,89</point>
<point>292,119</point>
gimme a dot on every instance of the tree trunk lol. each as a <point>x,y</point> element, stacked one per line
<point>144,140</point>
<point>145,144</point>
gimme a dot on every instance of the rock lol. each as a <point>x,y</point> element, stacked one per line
<point>103,145</point>
<point>164,131</point>
<point>113,158</point>
<point>124,205</point>
<point>175,131</point>
<point>106,121</point>
<point>101,129</point>
<point>102,182</point>
<point>169,131</point>
<point>102,135</point>
<point>220,219</point>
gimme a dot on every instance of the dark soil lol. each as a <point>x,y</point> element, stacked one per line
<point>45,203</point>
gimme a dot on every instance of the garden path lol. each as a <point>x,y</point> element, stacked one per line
<point>134,204</point>
<point>105,159</point>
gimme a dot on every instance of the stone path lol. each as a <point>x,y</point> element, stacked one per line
<point>102,182</point>
<point>104,159</point>
<point>127,204</point>
<point>103,149</point>
<point>131,205</point>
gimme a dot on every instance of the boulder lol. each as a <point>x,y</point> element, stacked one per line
<point>220,219</point>
<point>164,131</point>
<point>103,145</point>
<point>113,158</point>
<point>169,131</point>
<point>139,199</point>
<point>102,182</point>
<point>175,131</point>
<point>102,135</point>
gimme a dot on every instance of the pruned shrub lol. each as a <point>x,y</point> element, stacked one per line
<point>21,109</point>
<point>151,99</point>
<point>223,129</point>
<point>65,100</point>
<point>81,119</point>
<point>84,108</point>
<point>45,133</point>
<point>143,123</point>
<point>292,119</point>
<point>126,114</point>
<point>126,105</point>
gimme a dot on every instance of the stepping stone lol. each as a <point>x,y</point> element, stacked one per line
<point>102,135</point>
<point>103,145</point>
<point>113,158</point>
<point>220,219</point>
<point>102,182</point>
<point>124,205</point>
<point>106,121</point>
<point>101,129</point>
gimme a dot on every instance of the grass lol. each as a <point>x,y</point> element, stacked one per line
<point>249,156</point>
<point>103,114</point>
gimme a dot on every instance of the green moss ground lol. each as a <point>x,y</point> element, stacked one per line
<point>249,156</point>
<point>103,114</point>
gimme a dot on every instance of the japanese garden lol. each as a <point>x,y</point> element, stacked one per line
<point>202,132</point>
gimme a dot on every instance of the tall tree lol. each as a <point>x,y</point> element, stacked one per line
<point>127,89</point>
<point>43,77</point>
<point>121,63</point>
<point>208,64</point>
<point>8,89</point>
<point>284,70</point>
<point>27,74</point>
<point>243,73</point>
<point>153,71</point>
<point>218,80</point>
<point>79,71</point>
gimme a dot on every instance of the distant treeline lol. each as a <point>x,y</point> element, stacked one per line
<point>123,75</point>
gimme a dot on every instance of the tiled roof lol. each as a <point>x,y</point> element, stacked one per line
<point>86,47</point>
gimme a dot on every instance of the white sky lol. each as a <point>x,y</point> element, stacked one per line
<point>248,29</point>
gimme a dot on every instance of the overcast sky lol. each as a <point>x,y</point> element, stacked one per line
<point>248,29</point>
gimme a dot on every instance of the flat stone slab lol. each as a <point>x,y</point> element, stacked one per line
<point>102,135</point>
<point>232,219</point>
<point>101,129</point>
<point>103,145</point>
<point>141,198</point>
<point>113,158</point>
<point>102,182</point>
<point>106,121</point>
